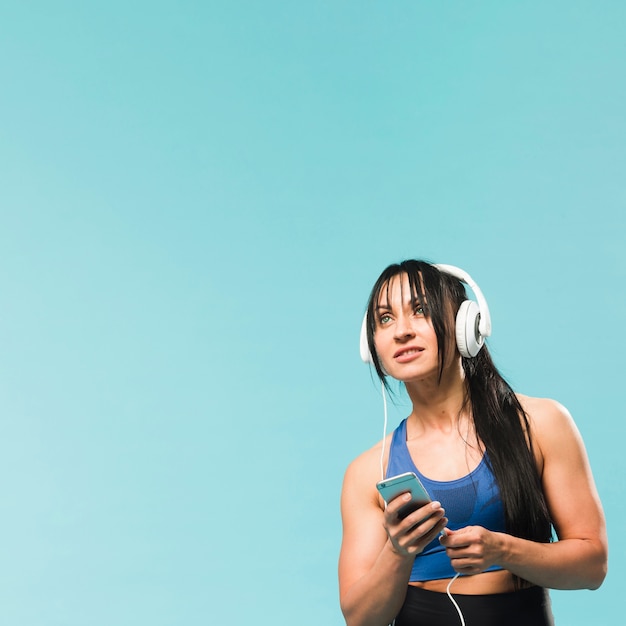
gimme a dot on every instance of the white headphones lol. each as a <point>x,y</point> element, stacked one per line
<point>473,322</point>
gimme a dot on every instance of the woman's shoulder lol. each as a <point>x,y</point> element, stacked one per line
<point>544,412</point>
<point>551,424</point>
<point>365,468</point>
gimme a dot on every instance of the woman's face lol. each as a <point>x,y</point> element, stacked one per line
<point>404,338</point>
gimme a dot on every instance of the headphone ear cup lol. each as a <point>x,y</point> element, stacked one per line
<point>468,340</point>
<point>366,355</point>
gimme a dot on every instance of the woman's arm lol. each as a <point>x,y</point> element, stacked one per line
<point>378,550</point>
<point>578,559</point>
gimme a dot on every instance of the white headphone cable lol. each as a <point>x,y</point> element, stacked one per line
<point>382,448</point>
<point>456,606</point>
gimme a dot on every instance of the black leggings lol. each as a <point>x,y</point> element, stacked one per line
<point>528,607</point>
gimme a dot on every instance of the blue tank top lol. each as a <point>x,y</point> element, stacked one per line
<point>473,500</point>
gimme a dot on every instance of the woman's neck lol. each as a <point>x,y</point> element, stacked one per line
<point>438,403</point>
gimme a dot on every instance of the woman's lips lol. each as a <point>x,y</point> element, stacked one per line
<point>407,354</point>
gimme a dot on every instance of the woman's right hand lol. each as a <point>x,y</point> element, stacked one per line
<point>409,536</point>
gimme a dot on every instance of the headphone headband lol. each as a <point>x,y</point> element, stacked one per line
<point>484,326</point>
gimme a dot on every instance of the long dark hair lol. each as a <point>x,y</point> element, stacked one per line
<point>500,421</point>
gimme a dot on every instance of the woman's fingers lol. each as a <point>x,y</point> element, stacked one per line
<point>414,532</point>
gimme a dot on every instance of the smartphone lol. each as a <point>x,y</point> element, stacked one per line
<point>393,486</point>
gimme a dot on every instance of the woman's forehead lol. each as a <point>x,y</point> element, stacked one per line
<point>400,289</point>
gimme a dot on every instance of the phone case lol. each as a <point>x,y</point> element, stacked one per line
<point>393,486</point>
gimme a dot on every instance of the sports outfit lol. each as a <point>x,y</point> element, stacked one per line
<point>473,500</point>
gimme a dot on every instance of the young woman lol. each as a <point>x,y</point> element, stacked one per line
<point>503,470</point>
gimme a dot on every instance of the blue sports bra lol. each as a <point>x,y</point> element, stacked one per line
<point>473,500</point>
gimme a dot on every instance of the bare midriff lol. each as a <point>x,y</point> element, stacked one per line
<point>479,584</point>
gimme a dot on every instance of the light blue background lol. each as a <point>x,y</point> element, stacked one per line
<point>195,201</point>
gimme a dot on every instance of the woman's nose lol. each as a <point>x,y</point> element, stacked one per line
<point>403,328</point>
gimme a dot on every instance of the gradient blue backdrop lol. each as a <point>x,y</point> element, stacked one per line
<point>195,200</point>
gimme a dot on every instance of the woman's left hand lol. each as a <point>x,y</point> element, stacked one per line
<point>472,549</point>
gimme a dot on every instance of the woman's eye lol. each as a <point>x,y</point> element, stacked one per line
<point>385,319</point>
<point>419,310</point>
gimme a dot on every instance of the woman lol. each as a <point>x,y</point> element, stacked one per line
<point>503,470</point>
